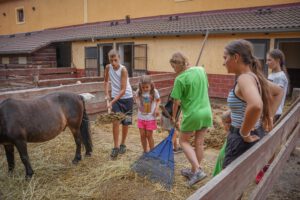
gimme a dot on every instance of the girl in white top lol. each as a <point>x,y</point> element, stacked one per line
<point>121,99</point>
<point>148,100</point>
<point>275,61</point>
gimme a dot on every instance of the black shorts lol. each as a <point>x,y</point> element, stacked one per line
<point>236,146</point>
<point>124,106</point>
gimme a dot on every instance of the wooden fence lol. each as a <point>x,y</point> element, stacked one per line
<point>163,81</point>
<point>43,73</point>
<point>233,181</point>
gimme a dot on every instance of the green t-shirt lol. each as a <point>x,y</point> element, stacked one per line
<point>191,88</point>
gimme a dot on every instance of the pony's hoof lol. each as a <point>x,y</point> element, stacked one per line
<point>75,161</point>
<point>28,177</point>
<point>88,154</point>
<point>10,173</point>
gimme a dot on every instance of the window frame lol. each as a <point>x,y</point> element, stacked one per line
<point>17,15</point>
<point>265,41</point>
<point>86,58</point>
<point>5,58</point>
<point>100,50</point>
<point>22,60</point>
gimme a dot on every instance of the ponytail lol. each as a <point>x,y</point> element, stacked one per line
<point>245,49</point>
<point>265,92</point>
<point>278,54</point>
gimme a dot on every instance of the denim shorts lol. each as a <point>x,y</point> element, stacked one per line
<point>124,106</point>
<point>236,146</point>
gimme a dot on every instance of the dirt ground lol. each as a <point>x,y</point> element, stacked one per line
<point>287,186</point>
<point>98,177</point>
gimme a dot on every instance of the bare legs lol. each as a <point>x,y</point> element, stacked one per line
<point>146,138</point>
<point>116,133</point>
<point>194,156</point>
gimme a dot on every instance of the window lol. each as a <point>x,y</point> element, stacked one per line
<point>140,57</point>
<point>126,56</point>
<point>261,47</point>
<point>22,60</point>
<point>134,57</point>
<point>20,15</point>
<point>103,56</point>
<point>91,65</point>
<point>5,60</point>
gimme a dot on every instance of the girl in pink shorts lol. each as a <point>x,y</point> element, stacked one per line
<point>147,99</point>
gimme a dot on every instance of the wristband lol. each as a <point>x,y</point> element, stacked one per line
<point>245,136</point>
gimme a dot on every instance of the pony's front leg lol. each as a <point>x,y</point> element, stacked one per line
<point>22,148</point>
<point>10,156</point>
<point>77,139</point>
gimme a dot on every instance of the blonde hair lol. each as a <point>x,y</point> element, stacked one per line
<point>179,60</point>
<point>113,53</point>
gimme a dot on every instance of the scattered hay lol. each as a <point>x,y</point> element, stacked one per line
<point>96,177</point>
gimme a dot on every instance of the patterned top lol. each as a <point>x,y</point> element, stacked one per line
<point>238,107</point>
<point>146,106</point>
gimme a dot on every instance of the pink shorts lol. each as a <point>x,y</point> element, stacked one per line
<point>147,125</point>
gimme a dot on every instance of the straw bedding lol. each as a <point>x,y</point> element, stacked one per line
<point>96,177</point>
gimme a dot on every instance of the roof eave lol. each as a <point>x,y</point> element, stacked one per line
<point>180,33</point>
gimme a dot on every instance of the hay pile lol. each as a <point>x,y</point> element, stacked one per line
<point>96,177</point>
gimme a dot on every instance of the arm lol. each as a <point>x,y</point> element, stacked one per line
<point>226,120</point>
<point>248,89</point>
<point>124,76</point>
<point>176,104</point>
<point>156,111</point>
<point>136,98</point>
<point>106,79</point>
<point>276,93</point>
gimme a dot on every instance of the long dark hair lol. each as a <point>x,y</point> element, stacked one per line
<point>245,49</point>
<point>278,54</point>
<point>145,79</point>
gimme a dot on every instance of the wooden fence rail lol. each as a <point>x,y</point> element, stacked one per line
<point>234,180</point>
<point>164,81</point>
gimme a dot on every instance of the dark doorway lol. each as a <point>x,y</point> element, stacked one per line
<point>103,50</point>
<point>291,49</point>
<point>126,55</point>
<point>63,54</point>
<point>261,48</point>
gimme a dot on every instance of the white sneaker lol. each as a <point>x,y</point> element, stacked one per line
<point>196,177</point>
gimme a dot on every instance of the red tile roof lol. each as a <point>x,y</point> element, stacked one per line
<point>285,18</point>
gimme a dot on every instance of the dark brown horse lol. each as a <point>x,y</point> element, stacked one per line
<point>40,120</point>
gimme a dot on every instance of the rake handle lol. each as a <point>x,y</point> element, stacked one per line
<point>202,47</point>
<point>108,109</point>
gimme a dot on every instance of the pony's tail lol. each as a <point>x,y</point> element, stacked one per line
<point>85,130</point>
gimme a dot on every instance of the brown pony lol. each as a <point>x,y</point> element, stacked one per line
<point>40,120</point>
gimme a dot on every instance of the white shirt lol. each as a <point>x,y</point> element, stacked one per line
<point>279,78</point>
<point>115,78</point>
<point>146,107</point>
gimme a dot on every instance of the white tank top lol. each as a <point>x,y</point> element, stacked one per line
<point>115,78</point>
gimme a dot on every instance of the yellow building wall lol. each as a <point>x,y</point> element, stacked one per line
<point>47,14</point>
<point>117,9</point>
<point>58,13</point>
<point>160,49</point>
